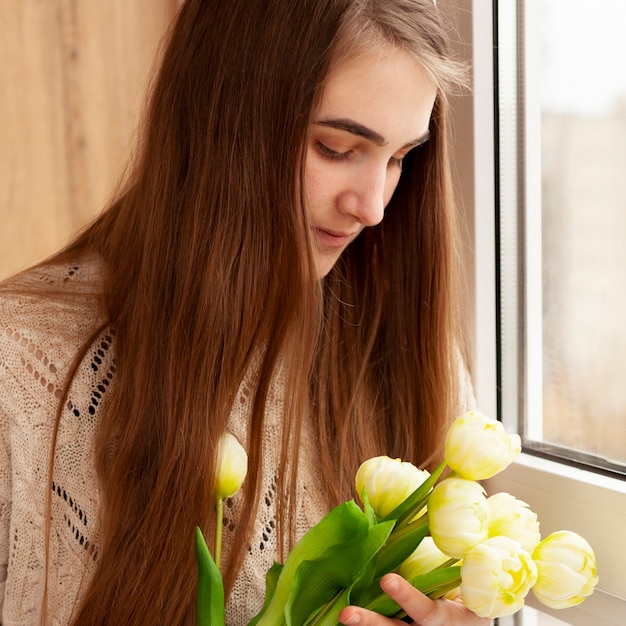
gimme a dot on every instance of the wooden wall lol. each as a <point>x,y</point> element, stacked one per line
<point>72,79</point>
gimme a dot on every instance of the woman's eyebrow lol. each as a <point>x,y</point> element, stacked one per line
<point>355,128</point>
<point>359,130</point>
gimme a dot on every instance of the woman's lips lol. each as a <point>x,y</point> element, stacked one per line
<point>334,239</point>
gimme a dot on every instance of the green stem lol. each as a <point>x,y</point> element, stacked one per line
<point>219,522</point>
<point>398,533</point>
<point>416,501</point>
<point>400,545</point>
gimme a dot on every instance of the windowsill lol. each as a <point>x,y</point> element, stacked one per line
<point>528,463</point>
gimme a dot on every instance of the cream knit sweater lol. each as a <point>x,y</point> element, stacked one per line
<point>38,341</point>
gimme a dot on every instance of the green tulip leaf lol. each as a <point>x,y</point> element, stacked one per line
<point>328,615</point>
<point>365,586</point>
<point>319,580</point>
<point>210,599</point>
<point>368,510</point>
<point>271,580</point>
<point>337,528</point>
<point>399,547</point>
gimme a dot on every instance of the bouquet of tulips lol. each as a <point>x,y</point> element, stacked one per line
<point>444,535</point>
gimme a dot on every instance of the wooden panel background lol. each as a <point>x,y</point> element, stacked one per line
<point>72,80</point>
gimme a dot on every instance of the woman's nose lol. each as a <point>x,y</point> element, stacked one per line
<point>365,198</point>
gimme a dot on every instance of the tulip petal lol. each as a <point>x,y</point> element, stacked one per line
<point>416,500</point>
<point>477,447</point>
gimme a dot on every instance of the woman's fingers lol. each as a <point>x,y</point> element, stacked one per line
<point>420,608</point>
<point>356,616</point>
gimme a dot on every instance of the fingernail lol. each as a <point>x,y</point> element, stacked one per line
<point>355,618</point>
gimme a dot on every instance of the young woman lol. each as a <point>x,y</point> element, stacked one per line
<point>244,280</point>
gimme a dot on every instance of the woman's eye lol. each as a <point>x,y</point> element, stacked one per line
<point>329,153</point>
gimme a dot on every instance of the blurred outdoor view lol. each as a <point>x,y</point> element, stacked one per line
<point>583,143</point>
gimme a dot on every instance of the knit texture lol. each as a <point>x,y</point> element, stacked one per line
<point>39,339</point>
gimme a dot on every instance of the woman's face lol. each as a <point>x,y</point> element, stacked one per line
<point>374,109</point>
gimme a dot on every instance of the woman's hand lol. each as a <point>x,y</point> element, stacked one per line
<point>421,609</point>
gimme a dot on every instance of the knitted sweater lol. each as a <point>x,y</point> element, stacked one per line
<point>39,338</point>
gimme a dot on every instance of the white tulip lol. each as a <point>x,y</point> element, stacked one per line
<point>513,518</point>
<point>496,576</point>
<point>477,447</point>
<point>567,568</point>
<point>388,482</point>
<point>458,515</point>
<point>232,466</point>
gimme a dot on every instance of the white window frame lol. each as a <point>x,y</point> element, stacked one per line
<point>563,496</point>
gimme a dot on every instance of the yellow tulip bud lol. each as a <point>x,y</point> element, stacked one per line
<point>458,515</point>
<point>496,576</point>
<point>388,482</point>
<point>232,466</point>
<point>478,447</point>
<point>513,518</point>
<point>426,557</point>
<point>567,570</point>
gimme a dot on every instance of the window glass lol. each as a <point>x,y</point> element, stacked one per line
<point>580,82</point>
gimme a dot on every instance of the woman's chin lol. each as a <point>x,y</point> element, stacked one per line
<point>325,263</point>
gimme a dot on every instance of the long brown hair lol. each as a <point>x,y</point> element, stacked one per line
<point>210,274</point>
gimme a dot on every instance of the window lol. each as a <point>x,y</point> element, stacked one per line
<point>547,264</point>
<point>564,204</point>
